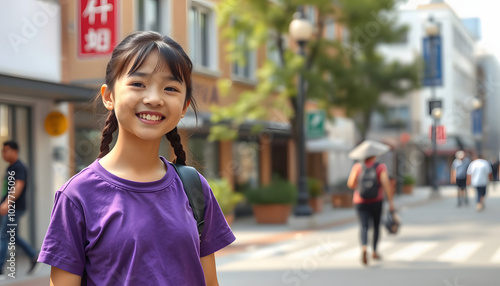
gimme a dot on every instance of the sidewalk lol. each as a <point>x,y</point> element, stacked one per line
<point>250,235</point>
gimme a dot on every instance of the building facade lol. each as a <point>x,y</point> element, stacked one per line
<point>54,60</point>
<point>456,93</point>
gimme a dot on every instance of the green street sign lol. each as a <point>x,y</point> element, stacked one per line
<point>315,124</point>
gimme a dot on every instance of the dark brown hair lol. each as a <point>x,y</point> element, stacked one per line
<point>137,46</point>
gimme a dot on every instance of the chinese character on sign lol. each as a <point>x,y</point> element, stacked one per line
<point>97,21</point>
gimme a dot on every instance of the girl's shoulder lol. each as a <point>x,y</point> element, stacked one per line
<point>86,179</point>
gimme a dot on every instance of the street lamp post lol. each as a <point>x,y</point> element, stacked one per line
<point>477,120</point>
<point>432,31</point>
<point>301,30</point>
<point>437,113</point>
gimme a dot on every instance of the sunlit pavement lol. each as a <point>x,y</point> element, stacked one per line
<point>439,244</point>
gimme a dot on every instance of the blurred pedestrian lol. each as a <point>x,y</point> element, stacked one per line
<point>370,179</point>
<point>494,168</point>
<point>126,218</point>
<point>458,175</point>
<point>13,205</point>
<point>479,174</point>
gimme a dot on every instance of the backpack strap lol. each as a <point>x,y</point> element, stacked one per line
<point>194,191</point>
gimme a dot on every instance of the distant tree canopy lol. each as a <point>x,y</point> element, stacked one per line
<point>341,71</point>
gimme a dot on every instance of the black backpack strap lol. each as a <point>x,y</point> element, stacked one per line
<point>194,191</point>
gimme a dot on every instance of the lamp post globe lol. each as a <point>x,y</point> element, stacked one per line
<point>477,104</point>
<point>300,29</point>
<point>437,113</point>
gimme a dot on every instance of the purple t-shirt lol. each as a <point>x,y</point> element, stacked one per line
<point>113,231</point>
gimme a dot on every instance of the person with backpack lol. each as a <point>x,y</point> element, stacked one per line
<point>128,218</point>
<point>458,175</point>
<point>370,179</point>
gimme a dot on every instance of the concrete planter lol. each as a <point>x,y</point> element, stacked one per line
<point>316,204</point>
<point>342,200</point>
<point>408,189</point>
<point>272,213</point>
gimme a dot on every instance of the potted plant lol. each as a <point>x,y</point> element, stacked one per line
<point>408,184</point>
<point>341,194</point>
<point>272,203</point>
<point>315,194</point>
<point>226,197</point>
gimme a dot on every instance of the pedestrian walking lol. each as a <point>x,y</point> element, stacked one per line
<point>369,179</point>
<point>13,205</point>
<point>458,176</point>
<point>125,219</point>
<point>494,168</point>
<point>479,174</point>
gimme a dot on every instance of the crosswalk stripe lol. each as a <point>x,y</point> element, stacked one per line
<point>460,252</point>
<point>355,252</point>
<point>413,250</point>
<point>496,257</point>
<point>321,248</point>
<point>275,249</point>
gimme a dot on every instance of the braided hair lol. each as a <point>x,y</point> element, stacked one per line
<point>135,49</point>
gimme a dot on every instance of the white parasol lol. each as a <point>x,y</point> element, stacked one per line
<point>368,148</point>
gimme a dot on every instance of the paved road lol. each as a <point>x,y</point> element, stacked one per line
<point>439,244</point>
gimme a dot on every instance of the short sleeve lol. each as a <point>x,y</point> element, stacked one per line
<point>216,232</point>
<point>469,169</point>
<point>20,172</point>
<point>64,243</point>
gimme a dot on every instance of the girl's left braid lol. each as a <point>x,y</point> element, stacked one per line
<point>175,141</point>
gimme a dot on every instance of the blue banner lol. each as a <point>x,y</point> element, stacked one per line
<point>433,72</point>
<point>477,122</point>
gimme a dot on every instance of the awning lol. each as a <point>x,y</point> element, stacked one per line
<point>326,144</point>
<point>43,89</point>
<point>453,143</point>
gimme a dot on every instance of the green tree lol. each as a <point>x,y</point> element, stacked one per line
<point>347,73</point>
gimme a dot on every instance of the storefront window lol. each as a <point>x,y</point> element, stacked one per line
<point>246,165</point>
<point>205,156</point>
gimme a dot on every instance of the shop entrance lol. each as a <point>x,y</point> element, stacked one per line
<point>15,124</point>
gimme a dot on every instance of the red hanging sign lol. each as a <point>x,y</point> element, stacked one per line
<point>440,134</point>
<point>97,27</point>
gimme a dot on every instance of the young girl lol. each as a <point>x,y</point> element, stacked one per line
<point>125,219</point>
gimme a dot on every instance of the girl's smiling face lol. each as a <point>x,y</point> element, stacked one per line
<point>148,102</point>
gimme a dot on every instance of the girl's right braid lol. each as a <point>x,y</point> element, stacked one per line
<point>107,133</point>
<point>175,141</point>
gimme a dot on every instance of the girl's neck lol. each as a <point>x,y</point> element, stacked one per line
<point>135,160</point>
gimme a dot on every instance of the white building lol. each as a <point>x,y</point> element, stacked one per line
<point>30,72</point>
<point>489,91</point>
<point>411,113</point>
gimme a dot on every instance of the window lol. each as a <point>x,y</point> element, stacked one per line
<point>153,16</point>
<point>397,117</point>
<point>310,14</point>
<point>330,29</point>
<point>272,48</point>
<point>205,156</point>
<point>345,36</point>
<point>246,165</point>
<point>462,45</point>
<point>246,71</point>
<point>202,36</point>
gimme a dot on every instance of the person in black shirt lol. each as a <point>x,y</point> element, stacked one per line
<point>13,204</point>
